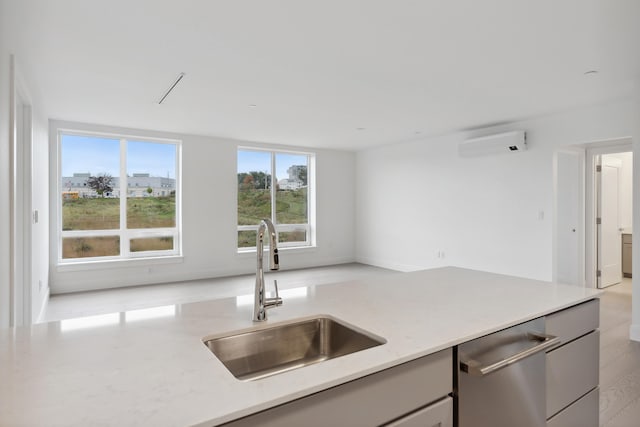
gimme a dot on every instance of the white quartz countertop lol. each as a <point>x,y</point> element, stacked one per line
<point>151,368</point>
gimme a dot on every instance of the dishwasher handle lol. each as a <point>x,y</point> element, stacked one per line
<point>543,342</point>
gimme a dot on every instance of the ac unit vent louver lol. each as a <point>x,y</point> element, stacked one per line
<point>508,142</point>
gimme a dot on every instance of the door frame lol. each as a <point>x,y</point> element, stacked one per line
<point>20,219</point>
<point>619,145</point>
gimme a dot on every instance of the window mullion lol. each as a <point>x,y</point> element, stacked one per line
<point>59,227</point>
<point>273,187</point>
<point>311,200</point>
<point>124,190</point>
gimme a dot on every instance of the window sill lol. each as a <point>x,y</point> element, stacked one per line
<point>118,263</point>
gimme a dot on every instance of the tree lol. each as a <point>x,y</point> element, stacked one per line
<point>149,190</point>
<point>101,184</point>
<point>254,180</point>
<point>302,174</point>
<point>246,181</point>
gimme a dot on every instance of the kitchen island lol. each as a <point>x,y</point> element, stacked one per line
<point>141,369</point>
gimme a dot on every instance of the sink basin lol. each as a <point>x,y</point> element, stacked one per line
<point>260,353</point>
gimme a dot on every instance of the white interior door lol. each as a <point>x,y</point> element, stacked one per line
<point>609,237</point>
<point>569,217</point>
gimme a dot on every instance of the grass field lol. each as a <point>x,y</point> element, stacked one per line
<point>160,212</point>
<point>104,214</point>
<point>83,247</point>
<point>254,205</point>
<point>91,214</point>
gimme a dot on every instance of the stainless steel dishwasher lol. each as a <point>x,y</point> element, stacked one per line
<point>501,378</point>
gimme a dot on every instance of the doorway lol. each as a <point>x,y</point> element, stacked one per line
<point>614,180</point>
<point>582,250</point>
<point>603,246</point>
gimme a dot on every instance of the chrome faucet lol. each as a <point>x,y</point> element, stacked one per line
<point>260,302</point>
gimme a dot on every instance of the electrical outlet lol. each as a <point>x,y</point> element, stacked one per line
<point>35,216</point>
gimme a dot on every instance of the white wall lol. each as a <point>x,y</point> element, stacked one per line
<point>493,213</point>
<point>209,217</point>
<point>4,169</point>
<point>635,315</point>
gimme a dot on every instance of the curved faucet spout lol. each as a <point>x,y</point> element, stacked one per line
<point>261,302</point>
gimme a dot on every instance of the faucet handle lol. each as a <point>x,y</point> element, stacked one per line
<point>274,302</point>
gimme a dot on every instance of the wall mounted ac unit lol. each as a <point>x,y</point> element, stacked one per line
<point>508,142</point>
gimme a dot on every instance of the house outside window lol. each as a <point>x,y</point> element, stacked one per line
<point>98,218</point>
<point>278,185</point>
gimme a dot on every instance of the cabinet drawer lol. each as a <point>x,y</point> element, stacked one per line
<point>627,259</point>
<point>440,414</point>
<point>572,371</point>
<point>575,321</point>
<point>373,400</point>
<point>583,413</point>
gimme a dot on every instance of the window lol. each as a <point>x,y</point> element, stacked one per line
<point>100,217</point>
<point>275,185</point>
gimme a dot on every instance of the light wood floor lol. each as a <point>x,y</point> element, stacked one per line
<point>619,357</point>
<point>619,360</point>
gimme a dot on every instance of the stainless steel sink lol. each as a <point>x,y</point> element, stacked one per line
<point>257,354</point>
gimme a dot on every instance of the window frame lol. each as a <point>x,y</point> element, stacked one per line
<point>309,227</point>
<point>125,234</point>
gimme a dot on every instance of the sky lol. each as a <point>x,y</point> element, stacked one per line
<point>249,161</point>
<point>97,155</point>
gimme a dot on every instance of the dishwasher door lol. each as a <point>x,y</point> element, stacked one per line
<point>501,378</point>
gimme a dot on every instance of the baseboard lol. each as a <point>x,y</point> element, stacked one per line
<point>107,282</point>
<point>390,265</point>
<point>634,332</point>
<point>43,306</point>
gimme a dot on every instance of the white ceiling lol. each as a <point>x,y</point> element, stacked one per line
<point>319,70</point>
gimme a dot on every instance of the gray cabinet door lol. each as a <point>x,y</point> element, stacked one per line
<point>575,321</point>
<point>572,371</point>
<point>627,256</point>
<point>583,413</point>
<point>373,400</point>
<point>439,414</point>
